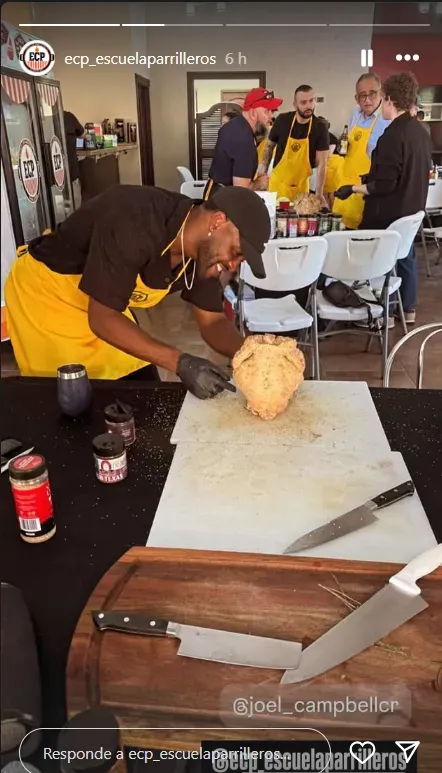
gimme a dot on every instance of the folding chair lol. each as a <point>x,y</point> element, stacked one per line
<point>433,208</point>
<point>356,258</point>
<point>185,174</point>
<point>193,189</point>
<point>290,264</point>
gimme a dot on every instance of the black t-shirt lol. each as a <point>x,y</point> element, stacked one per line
<point>235,153</point>
<point>73,129</point>
<point>279,133</point>
<point>120,235</point>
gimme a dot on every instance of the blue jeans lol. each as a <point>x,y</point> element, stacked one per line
<point>407,270</point>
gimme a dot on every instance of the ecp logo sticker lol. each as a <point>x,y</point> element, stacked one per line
<point>37,57</point>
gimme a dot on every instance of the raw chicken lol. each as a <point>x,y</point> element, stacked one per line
<point>268,370</point>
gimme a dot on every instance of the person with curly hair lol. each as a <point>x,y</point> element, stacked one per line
<point>397,184</point>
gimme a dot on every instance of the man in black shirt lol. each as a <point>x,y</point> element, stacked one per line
<point>73,130</point>
<point>397,184</point>
<point>300,142</point>
<point>235,158</point>
<point>69,295</point>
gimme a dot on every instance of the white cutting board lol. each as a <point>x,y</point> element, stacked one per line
<point>259,499</point>
<point>338,415</point>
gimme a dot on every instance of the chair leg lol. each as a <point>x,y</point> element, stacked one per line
<point>384,334</point>
<point>401,312</point>
<point>424,246</point>
<point>314,336</point>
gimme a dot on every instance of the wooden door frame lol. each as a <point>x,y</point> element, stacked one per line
<point>144,135</point>
<point>260,75</point>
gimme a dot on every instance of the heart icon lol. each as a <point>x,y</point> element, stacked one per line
<point>360,745</point>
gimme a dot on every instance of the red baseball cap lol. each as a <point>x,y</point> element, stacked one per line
<point>261,98</point>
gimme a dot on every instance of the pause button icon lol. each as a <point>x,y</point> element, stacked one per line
<point>366,57</point>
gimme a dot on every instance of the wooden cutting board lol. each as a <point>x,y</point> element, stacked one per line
<point>330,415</point>
<point>168,701</point>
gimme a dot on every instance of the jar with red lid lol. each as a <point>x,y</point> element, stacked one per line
<point>31,490</point>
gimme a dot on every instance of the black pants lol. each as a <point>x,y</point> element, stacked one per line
<point>149,373</point>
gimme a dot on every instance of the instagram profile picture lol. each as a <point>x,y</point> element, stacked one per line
<point>37,57</point>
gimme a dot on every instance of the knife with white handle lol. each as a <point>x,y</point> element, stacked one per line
<point>351,521</point>
<point>238,649</point>
<point>399,601</point>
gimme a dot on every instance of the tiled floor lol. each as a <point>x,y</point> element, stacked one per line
<point>342,357</point>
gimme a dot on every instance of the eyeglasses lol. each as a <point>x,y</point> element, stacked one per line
<point>370,95</point>
<point>267,96</point>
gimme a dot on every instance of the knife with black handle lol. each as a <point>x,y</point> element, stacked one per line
<point>351,521</point>
<point>206,643</point>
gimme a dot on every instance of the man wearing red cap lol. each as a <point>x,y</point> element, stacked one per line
<point>235,158</point>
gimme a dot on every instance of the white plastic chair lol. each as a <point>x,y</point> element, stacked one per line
<point>433,207</point>
<point>290,264</point>
<point>185,174</point>
<point>407,227</point>
<point>193,189</point>
<point>357,257</point>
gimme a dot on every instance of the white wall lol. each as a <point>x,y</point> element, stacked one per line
<point>208,92</point>
<point>326,58</point>
<point>94,93</point>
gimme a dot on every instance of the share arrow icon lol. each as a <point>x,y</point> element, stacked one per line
<point>408,748</point>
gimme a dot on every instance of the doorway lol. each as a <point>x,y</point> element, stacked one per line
<point>206,105</point>
<point>144,130</point>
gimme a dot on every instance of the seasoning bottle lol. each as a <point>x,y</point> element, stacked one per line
<point>293,225</point>
<point>343,142</point>
<point>110,458</point>
<point>302,225</point>
<point>281,224</point>
<point>74,390</point>
<point>119,419</point>
<point>31,490</point>
<point>312,225</point>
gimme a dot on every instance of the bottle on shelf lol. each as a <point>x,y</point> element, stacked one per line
<point>343,142</point>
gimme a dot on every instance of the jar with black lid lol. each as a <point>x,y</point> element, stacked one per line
<point>110,458</point>
<point>119,419</point>
<point>31,490</point>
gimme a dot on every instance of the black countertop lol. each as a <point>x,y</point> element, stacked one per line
<point>97,523</point>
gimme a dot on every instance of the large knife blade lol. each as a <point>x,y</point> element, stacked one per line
<point>207,643</point>
<point>388,609</point>
<point>351,521</point>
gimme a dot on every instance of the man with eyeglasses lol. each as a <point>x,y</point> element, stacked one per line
<point>365,127</point>
<point>235,158</point>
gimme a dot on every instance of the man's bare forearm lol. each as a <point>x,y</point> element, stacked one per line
<point>320,180</point>
<point>267,157</point>
<point>117,330</point>
<point>219,333</point>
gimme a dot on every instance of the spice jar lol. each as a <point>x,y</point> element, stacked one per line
<point>110,458</point>
<point>73,389</point>
<point>119,419</point>
<point>31,490</point>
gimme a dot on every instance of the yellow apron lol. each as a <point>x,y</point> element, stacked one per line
<point>47,317</point>
<point>333,175</point>
<point>291,175</point>
<point>260,149</point>
<point>356,163</point>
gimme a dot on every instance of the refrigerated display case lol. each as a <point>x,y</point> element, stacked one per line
<point>35,172</point>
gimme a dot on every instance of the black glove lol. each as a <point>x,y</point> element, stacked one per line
<point>344,192</point>
<point>202,377</point>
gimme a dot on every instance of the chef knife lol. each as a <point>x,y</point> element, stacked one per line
<point>207,643</point>
<point>351,521</point>
<point>391,607</point>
